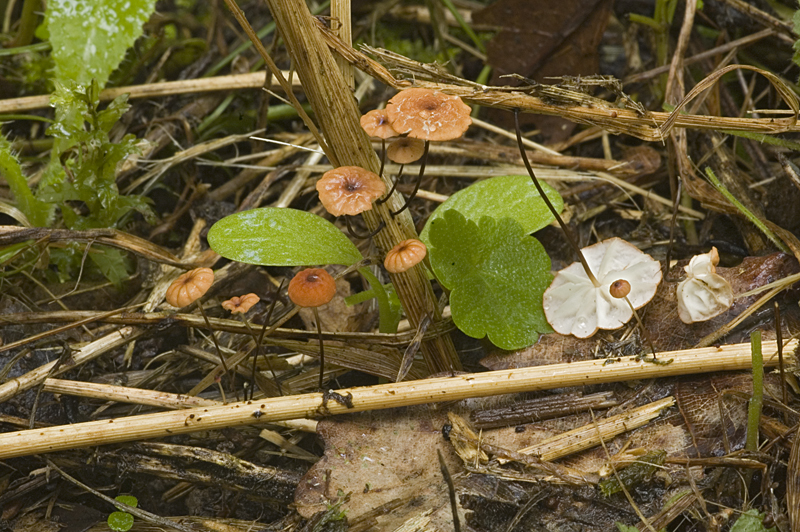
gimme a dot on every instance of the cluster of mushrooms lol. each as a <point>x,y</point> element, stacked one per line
<point>602,291</point>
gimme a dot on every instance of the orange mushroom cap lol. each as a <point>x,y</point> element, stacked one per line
<point>240,305</point>
<point>428,115</point>
<point>405,150</point>
<point>311,287</point>
<point>349,190</point>
<point>405,255</point>
<point>619,288</point>
<point>189,287</point>
<point>376,124</point>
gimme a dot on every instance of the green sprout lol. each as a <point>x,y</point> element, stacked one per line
<point>122,521</point>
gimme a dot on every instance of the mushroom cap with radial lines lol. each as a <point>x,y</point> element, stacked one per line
<point>349,190</point>
<point>428,115</point>
<point>189,287</point>
<point>376,124</point>
<point>574,305</point>
<point>405,255</point>
<point>240,304</point>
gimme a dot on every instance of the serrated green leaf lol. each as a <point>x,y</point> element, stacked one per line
<point>497,275</point>
<point>281,237</point>
<point>509,196</point>
<point>90,38</point>
<point>120,521</point>
<point>37,212</point>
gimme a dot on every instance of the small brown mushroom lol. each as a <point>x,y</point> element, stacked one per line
<point>428,115</point>
<point>405,255</point>
<point>189,287</point>
<point>405,150</point>
<point>619,288</point>
<point>376,124</point>
<point>312,287</point>
<point>349,190</point>
<point>240,305</point>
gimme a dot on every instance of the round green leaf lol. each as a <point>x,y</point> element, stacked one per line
<point>120,521</point>
<point>130,500</point>
<point>497,275</point>
<point>281,237</point>
<point>508,196</point>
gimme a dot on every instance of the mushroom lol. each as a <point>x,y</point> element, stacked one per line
<point>189,287</point>
<point>376,124</point>
<point>428,115</point>
<point>240,305</point>
<point>405,255</point>
<point>576,304</point>
<point>704,293</point>
<point>350,190</point>
<point>405,150</point>
<point>312,288</point>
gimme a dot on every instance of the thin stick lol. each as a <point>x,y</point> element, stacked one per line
<point>59,438</point>
<point>779,339</point>
<point>451,489</point>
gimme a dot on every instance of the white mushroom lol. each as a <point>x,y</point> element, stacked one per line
<point>575,305</point>
<point>704,293</point>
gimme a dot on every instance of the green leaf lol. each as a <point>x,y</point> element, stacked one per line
<point>281,237</point>
<point>37,212</point>
<point>625,528</point>
<point>750,521</point>
<point>509,196</point>
<point>497,275</point>
<point>120,521</point>
<point>113,264</point>
<point>130,500</point>
<point>90,38</point>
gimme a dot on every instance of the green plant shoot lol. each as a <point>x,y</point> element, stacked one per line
<point>122,521</point>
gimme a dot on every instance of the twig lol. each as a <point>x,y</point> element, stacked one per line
<point>727,358</point>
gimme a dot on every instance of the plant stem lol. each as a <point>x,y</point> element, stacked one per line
<point>321,349</point>
<point>547,202</point>
<point>756,402</point>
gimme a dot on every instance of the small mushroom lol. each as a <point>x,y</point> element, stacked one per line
<point>405,255</point>
<point>240,305</point>
<point>704,294</point>
<point>189,287</point>
<point>312,287</point>
<point>428,115</point>
<point>349,190</point>
<point>405,150</point>
<point>376,124</point>
<point>574,304</point>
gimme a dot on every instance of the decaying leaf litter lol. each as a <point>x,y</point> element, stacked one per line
<point>584,469</point>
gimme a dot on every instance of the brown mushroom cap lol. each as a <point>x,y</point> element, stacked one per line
<point>428,115</point>
<point>376,124</point>
<point>405,150</point>
<point>405,255</point>
<point>189,287</point>
<point>240,305</point>
<point>349,190</point>
<point>312,287</point>
<point>619,288</point>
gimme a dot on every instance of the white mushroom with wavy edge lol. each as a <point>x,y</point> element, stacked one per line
<point>575,305</point>
<point>704,293</point>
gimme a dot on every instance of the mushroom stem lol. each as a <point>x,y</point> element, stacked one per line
<point>422,163</point>
<point>394,187</point>
<point>216,346</point>
<point>321,349</point>
<point>641,328</point>
<point>260,339</point>
<point>354,234</point>
<point>383,157</point>
<point>675,203</point>
<point>547,202</point>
